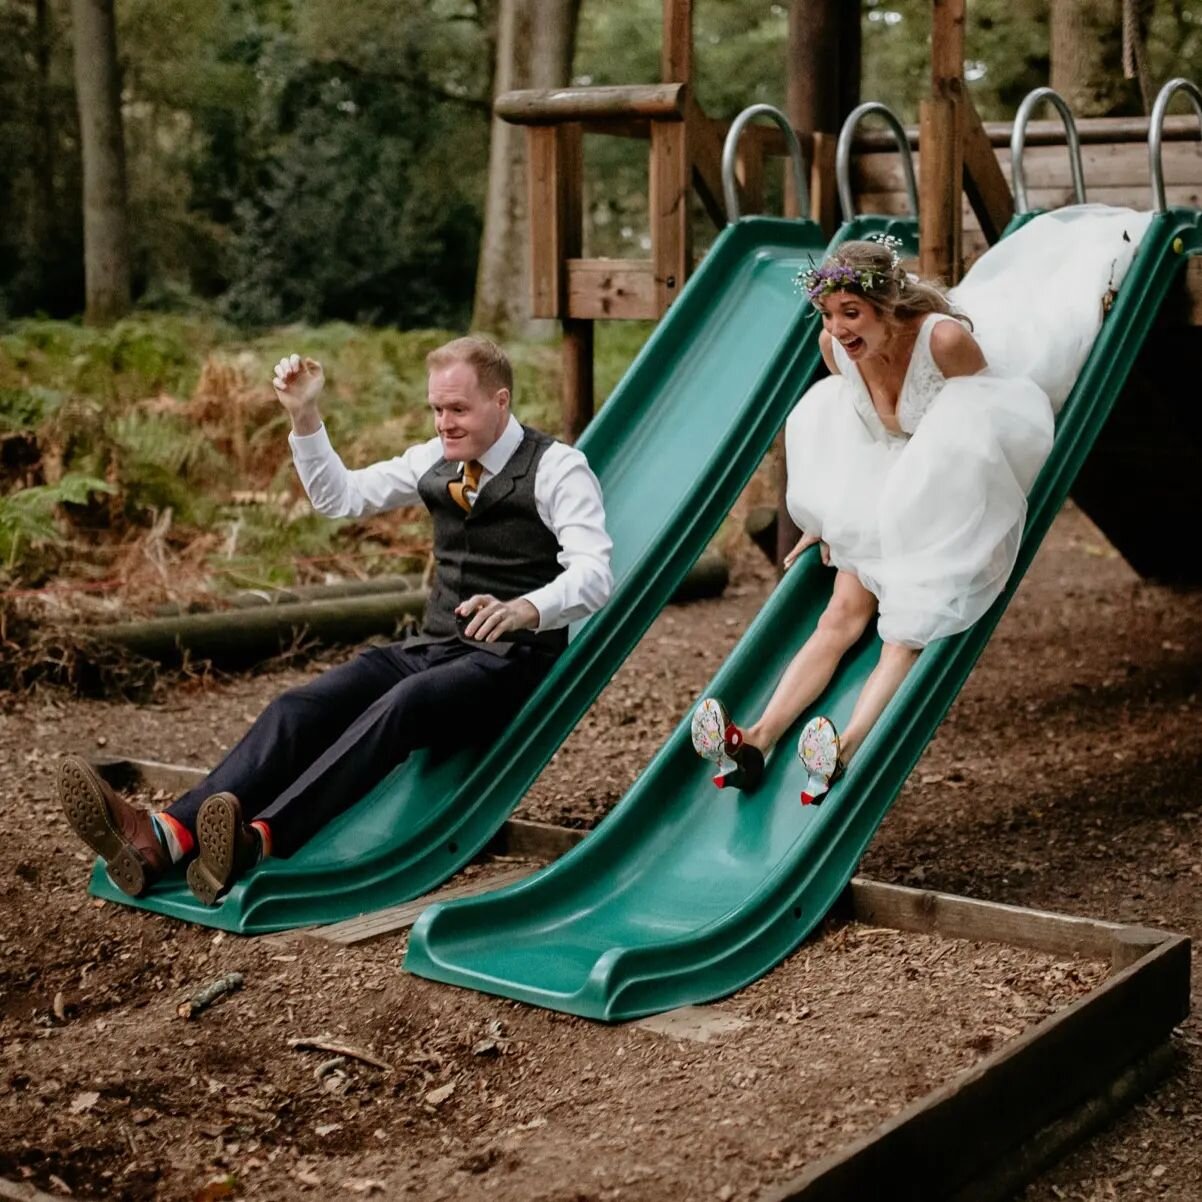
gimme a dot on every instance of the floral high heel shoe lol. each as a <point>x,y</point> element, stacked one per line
<point>818,750</point>
<point>717,739</point>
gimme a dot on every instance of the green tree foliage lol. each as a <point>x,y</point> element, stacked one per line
<point>323,159</point>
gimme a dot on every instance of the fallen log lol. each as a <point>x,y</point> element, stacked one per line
<point>708,577</point>
<point>247,635</point>
<point>251,598</point>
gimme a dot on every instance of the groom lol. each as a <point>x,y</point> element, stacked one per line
<point>520,551</point>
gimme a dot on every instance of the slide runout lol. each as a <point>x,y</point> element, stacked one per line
<point>676,442</point>
<point>682,896</point>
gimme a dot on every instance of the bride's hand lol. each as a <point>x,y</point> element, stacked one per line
<point>806,541</point>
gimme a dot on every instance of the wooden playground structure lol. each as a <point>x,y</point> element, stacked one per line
<point>964,193</point>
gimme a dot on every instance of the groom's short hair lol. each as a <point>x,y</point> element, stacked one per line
<point>491,363</point>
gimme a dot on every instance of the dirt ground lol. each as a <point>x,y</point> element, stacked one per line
<point>1066,777</point>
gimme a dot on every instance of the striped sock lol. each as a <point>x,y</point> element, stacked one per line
<point>176,839</point>
<point>264,838</point>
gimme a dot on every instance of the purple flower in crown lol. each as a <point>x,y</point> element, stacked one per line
<point>831,277</point>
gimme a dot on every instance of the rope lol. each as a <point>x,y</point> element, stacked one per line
<point>1135,56</point>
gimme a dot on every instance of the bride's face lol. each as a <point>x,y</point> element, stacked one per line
<point>855,323</point>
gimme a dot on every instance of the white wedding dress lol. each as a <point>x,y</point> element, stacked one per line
<point>931,520</point>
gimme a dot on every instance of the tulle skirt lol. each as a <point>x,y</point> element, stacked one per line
<point>931,523</point>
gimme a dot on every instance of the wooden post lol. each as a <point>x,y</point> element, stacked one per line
<point>676,55</point>
<point>823,86</point>
<point>556,175</point>
<point>577,376</point>
<point>671,228</point>
<point>941,147</point>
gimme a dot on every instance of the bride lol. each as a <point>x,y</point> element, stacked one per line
<point>910,464</point>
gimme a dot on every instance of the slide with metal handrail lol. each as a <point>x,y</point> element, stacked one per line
<point>684,894</point>
<point>673,447</point>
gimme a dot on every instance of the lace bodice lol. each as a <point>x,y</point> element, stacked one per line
<point>920,386</point>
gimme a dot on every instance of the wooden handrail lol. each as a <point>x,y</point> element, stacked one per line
<point>555,106</point>
<point>1092,130</point>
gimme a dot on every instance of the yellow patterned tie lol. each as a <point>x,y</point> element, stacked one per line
<point>470,483</point>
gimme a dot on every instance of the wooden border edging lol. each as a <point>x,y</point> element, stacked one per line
<point>998,1123</point>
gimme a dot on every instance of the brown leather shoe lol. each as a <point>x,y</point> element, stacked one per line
<point>227,847</point>
<point>122,835</point>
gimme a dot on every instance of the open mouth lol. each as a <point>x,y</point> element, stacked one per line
<point>851,345</point>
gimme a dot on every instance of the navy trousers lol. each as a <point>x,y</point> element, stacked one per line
<point>318,748</point>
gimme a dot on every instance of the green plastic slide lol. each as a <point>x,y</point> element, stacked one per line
<point>684,894</point>
<point>673,447</point>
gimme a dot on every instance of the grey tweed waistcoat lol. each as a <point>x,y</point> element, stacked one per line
<point>500,547</point>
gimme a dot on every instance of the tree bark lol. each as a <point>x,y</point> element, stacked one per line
<point>102,142</point>
<point>44,217</point>
<point>536,40</point>
<point>1087,58</point>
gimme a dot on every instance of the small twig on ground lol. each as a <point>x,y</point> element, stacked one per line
<point>205,997</point>
<point>323,1043</point>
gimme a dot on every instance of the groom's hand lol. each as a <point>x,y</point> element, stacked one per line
<point>298,383</point>
<point>494,618</point>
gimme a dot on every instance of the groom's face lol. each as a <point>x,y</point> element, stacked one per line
<point>467,417</point>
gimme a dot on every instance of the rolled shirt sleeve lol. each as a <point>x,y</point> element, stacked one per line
<point>336,491</point>
<point>568,497</point>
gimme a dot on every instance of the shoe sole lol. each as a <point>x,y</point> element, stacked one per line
<point>818,747</point>
<point>209,874</point>
<point>708,730</point>
<point>83,804</point>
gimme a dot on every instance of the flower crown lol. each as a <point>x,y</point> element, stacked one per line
<point>832,276</point>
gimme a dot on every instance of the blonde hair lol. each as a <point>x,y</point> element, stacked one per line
<point>892,291</point>
<point>491,364</point>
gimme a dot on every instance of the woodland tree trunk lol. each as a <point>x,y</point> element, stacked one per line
<point>1087,56</point>
<point>44,216</point>
<point>535,43</point>
<point>105,216</point>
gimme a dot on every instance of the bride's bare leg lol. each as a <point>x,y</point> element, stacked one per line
<point>845,618</point>
<point>878,689</point>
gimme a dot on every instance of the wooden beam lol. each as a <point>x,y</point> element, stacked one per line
<point>822,86</point>
<point>578,386</point>
<point>940,123</point>
<point>986,186</point>
<point>947,40</point>
<point>939,186</point>
<point>555,179</point>
<point>705,146</point>
<point>611,288</point>
<point>1091,131</point>
<point>676,52</point>
<point>671,229</point>
<point>553,106</point>
<point>824,194</point>
<point>394,919</point>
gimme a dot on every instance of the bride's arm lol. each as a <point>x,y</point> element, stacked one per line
<point>955,350</point>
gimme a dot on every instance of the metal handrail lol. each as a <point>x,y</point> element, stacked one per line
<point>843,154</point>
<point>1156,131</point>
<point>1018,140</point>
<point>730,149</point>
